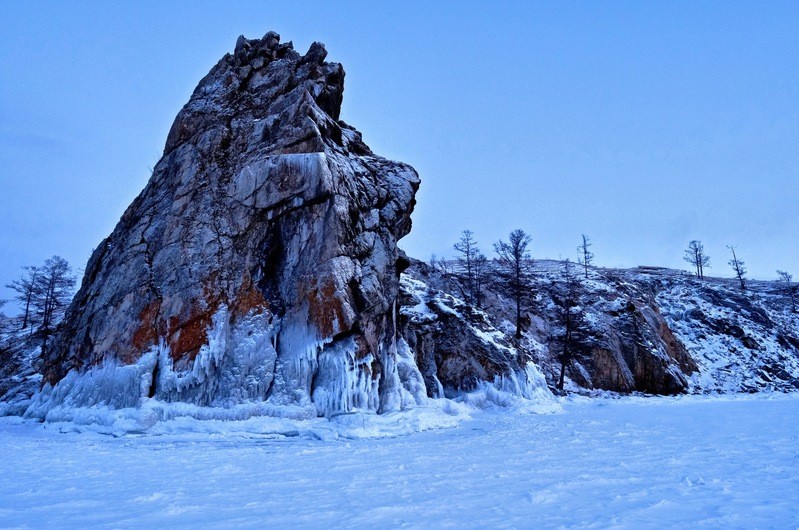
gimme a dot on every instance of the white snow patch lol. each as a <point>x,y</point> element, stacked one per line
<point>524,392</point>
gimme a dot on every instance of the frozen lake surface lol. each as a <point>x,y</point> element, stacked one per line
<point>605,463</point>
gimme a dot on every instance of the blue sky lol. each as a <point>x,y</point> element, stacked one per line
<point>641,124</point>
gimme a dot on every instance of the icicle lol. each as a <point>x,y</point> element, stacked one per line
<point>344,383</point>
<point>108,385</point>
<point>235,366</point>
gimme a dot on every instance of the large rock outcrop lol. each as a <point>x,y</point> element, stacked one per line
<point>260,261</point>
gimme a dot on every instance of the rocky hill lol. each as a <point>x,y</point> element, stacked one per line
<point>648,329</point>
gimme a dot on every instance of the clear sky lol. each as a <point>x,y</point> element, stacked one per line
<point>641,124</point>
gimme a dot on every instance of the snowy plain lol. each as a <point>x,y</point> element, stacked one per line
<point>691,461</point>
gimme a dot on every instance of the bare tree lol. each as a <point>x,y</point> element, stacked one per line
<point>52,293</point>
<point>738,267</point>
<point>788,287</point>
<point>587,257</point>
<point>445,267</point>
<point>3,321</point>
<point>480,277</point>
<point>515,270</point>
<point>441,265</point>
<point>472,266</point>
<point>695,255</point>
<point>25,288</point>
<point>569,339</point>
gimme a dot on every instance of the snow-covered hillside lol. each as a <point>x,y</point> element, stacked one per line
<point>740,341</point>
<point>20,378</point>
<point>648,329</point>
<point>691,461</point>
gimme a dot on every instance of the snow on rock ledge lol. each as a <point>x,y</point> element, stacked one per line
<point>648,329</point>
<point>462,356</point>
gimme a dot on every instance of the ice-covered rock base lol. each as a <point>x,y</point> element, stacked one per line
<point>114,400</point>
<point>231,378</point>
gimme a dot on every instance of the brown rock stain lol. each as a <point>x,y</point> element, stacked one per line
<point>606,374</point>
<point>325,309</point>
<point>190,335</point>
<point>248,299</point>
<point>186,334</point>
<point>675,348</point>
<point>147,333</point>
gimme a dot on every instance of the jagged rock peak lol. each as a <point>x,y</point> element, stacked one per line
<point>268,48</point>
<point>254,77</point>
<point>269,43</point>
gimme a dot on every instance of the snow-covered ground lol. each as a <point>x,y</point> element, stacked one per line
<point>719,462</point>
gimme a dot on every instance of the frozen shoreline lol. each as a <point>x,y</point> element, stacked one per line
<point>718,461</point>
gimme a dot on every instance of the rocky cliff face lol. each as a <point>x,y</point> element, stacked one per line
<point>260,261</point>
<point>19,374</point>
<point>648,329</point>
<point>459,349</point>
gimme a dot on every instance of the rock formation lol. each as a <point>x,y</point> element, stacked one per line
<point>260,261</point>
<point>260,266</point>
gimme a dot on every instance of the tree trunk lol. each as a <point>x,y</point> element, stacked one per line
<point>27,312</point>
